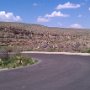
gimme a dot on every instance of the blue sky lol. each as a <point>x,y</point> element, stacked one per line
<point>54,13</point>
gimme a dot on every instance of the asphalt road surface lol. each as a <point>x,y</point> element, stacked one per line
<point>54,72</point>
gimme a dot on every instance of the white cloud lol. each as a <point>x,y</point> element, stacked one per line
<point>76,26</point>
<point>67,5</point>
<point>9,16</point>
<point>35,4</point>
<point>56,14</point>
<point>42,19</point>
<point>47,17</point>
<point>89,8</point>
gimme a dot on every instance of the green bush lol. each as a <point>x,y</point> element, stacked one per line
<point>88,51</point>
<point>16,61</point>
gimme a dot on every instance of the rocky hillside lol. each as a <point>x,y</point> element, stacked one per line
<point>19,36</point>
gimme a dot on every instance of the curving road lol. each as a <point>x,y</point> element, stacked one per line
<point>54,72</point>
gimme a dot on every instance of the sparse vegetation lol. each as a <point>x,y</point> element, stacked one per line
<point>22,37</point>
<point>16,61</point>
<point>88,51</point>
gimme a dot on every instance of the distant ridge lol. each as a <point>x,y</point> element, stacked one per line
<point>20,24</point>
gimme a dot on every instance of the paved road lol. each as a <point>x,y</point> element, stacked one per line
<point>54,72</point>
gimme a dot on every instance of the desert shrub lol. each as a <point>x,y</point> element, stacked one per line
<point>16,61</point>
<point>3,52</point>
<point>88,51</point>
